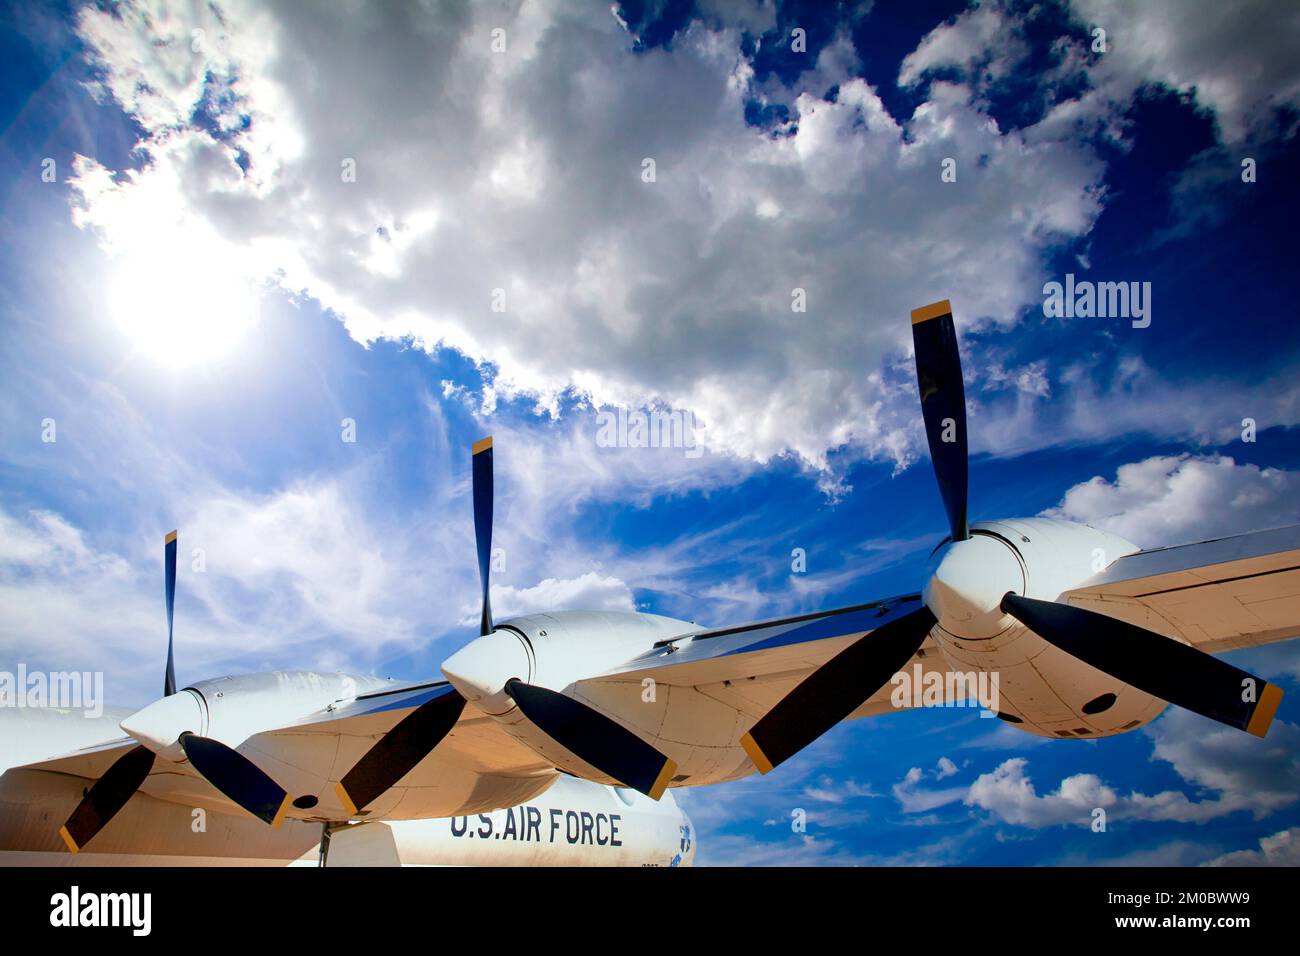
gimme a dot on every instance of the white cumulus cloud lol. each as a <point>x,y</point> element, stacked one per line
<point>1174,499</point>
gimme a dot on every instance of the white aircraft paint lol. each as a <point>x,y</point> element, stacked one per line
<point>573,823</point>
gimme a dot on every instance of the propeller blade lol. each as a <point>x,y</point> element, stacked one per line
<point>483,522</point>
<point>400,750</point>
<point>237,777</point>
<point>109,794</point>
<point>1151,662</point>
<point>169,572</point>
<point>943,406</point>
<point>836,689</point>
<point>608,746</point>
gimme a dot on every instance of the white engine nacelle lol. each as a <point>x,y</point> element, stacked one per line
<point>553,651</point>
<point>232,709</point>
<point>1041,689</point>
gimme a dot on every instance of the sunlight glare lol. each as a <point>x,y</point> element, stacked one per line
<point>179,309</point>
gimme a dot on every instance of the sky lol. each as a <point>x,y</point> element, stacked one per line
<point>267,272</point>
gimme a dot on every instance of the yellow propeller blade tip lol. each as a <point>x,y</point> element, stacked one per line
<point>67,838</point>
<point>756,754</point>
<point>931,311</point>
<point>661,782</point>
<point>1262,716</point>
<point>346,800</point>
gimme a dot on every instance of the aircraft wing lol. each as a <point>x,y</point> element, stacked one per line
<point>89,762</point>
<point>477,740</point>
<point>1221,594</point>
<point>477,764</point>
<point>325,745</point>
<point>720,681</point>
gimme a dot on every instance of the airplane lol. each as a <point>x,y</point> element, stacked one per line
<point>1088,636</point>
<point>573,823</point>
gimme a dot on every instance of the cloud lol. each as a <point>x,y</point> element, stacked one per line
<point>917,800</point>
<point>795,850</point>
<point>1280,849</point>
<point>1237,60</point>
<point>310,540</point>
<point>982,42</point>
<point>521,171</point>
<point>826,790</point>
<point>590,592</point>
<point>1245,774</point>
<point>1233,62</point>
<point>46,542</point>
<point>1009,795</point>
<point>1173,499</point>
<point>64,598</point>
<point>815,850</point>
<point>1171,853</point>
<point>1261,776</point>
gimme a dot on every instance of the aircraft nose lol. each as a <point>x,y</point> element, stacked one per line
<point>159,726</point>
<point>480,669</point>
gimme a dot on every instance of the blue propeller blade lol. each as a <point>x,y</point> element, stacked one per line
<point>169,565</point>
<point>483,522</point>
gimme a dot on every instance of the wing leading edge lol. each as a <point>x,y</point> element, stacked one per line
<point>1221,594</point>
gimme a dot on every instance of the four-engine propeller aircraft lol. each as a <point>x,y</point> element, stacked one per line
<point>1088,635</point>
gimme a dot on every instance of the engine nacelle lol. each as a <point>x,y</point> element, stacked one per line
<point>232,709</point>
<point>553,651</point>
<point>1041,689</point>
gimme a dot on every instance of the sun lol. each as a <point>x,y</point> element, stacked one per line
<point>179,308</point>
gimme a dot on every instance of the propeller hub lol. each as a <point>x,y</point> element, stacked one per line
<point>480,669</point>
<point>160,725</point>
<point>967,583</point>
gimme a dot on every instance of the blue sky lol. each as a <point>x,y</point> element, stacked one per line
<point>199,300</point>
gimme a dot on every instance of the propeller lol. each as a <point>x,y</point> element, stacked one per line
<point>943,406</point>
<point>1153,663</point>
<point>483,668</point>
<point>230,772</point>
<point>836,689</point>
<point>414,737</point>
<point>108,795</point>
<point>605,744</point>
<point>482,467</point>
<point>237,777</point>
<point>398,752</point>
<point>169,586</point>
